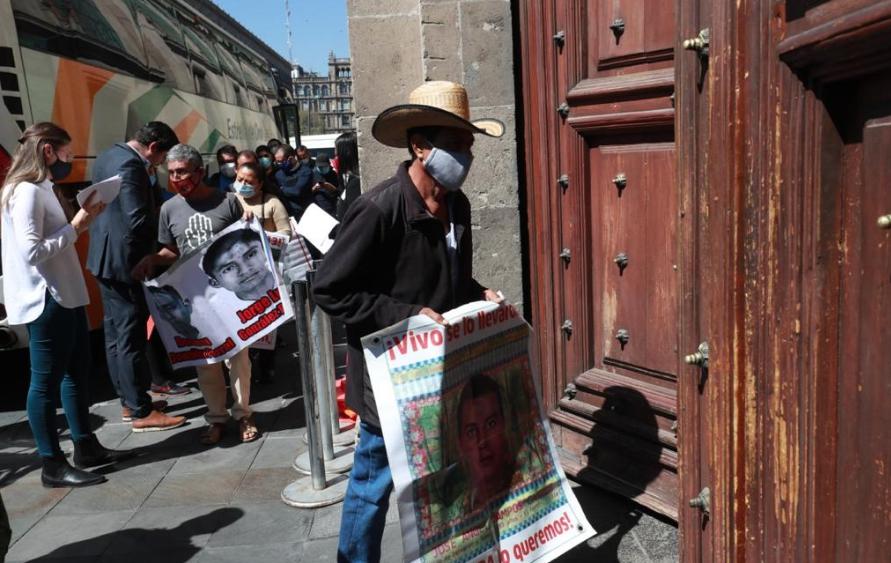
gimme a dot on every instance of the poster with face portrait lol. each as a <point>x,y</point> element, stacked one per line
<point>219,299</point>
<point>474,466</point>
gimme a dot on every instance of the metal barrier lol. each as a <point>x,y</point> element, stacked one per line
<point>338,457</point>
<point>319,488</point>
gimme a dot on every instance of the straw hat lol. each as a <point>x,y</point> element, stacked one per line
<point>433,104</point>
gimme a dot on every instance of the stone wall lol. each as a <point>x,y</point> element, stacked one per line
<point>396,45</point>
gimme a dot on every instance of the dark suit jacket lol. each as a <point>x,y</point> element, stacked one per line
<point>128,228</point>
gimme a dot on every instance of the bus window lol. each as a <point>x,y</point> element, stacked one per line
<point>232,73</point>
<point>97,31</point>
<point>204,59</point>
<point>164,44</point>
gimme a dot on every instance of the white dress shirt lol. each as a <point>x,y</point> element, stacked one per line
<point>38,254</point>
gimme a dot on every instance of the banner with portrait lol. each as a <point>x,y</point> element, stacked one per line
<point>474,466</point>
<point>220,299</point>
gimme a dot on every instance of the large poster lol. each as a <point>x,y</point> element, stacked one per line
<point>474,466</point>
<point>220,299</point>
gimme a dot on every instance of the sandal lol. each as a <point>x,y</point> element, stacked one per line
<point>213,434</point>
<point>249,431</point>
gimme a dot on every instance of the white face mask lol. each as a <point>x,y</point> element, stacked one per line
<point>228,170</point>
<point>448,168</point>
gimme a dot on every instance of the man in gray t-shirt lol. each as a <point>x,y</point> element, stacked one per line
<point>187,221</point>
<point>186,224</point>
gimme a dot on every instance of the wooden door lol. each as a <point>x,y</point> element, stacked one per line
<point>786,132</point>
<point>603,209</point>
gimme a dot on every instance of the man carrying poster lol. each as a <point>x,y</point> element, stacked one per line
<point>188,221</point>
<point>473,463</point>
<point>404,248</point>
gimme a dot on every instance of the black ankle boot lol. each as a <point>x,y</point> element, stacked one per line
<point>58,473</point>
<point>90,453</point>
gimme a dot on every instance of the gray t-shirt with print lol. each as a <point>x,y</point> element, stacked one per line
<point>190,224</point>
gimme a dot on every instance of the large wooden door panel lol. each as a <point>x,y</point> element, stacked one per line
<point>630,32</point>
<point>863,503</point>
<point>786,140</point>
<point>613,85</point>
<point>636,226</point>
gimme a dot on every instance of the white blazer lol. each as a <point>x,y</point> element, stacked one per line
<point>38,254</point>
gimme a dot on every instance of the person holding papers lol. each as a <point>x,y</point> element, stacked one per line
<point>118,239</point>
<point>45,290</point>
<point>188,221</point>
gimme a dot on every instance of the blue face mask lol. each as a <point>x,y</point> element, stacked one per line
<point>265,161</point>
<point>324,169</point>
<point>244,190</point>
<point>448,168</point>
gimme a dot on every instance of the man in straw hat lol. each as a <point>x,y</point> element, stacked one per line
<point>404,248</point>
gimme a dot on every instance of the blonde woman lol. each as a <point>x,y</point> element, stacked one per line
<point>45,290</point>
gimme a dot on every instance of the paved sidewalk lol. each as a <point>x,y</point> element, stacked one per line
<point>181,501</point>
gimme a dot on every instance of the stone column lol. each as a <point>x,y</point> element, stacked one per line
<point>398,44</point>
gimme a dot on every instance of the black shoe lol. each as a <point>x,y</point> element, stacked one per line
<point>90,453</point>
<point>58,473</point>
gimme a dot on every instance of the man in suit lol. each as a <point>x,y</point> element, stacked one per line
<point>123,235</point>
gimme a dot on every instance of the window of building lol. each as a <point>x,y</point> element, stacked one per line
<point>324,91</point>
<point>345,120</point>
<point>307,91</point>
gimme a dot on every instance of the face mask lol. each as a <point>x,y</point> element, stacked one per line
<point>244,190</point>
<point>184,186</point>
<point>228,170</point>
<point>305,160</point>
<point>265,161</point>
<point>324,169</point>
<point>59,169</point>
<point>448,168</point>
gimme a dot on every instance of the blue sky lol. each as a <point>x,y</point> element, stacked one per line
<point>317,27</point>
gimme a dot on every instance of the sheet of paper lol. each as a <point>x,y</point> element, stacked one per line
<point>316,226</point>
<point>108,190</point>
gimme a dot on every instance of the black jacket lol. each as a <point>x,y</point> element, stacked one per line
<point>388,262</point>
<point>128,229</point>
<point>349,189</point>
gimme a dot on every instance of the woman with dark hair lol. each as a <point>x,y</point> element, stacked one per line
<point>347,171</point>
<point>45,290</point>
<point>255,195</point>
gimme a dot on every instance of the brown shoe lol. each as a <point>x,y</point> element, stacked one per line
<point>127,413</point>
<point>157,421</point>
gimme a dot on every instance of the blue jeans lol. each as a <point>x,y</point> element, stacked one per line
<point>60,360</point>
<point>367,500</point>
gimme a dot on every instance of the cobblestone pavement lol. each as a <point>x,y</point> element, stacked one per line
<point>181,501</point>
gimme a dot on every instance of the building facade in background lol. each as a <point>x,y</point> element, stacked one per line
<point>325,100</point>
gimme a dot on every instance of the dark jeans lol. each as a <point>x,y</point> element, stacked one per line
<point>159,365</point>
<point>367,500</point>
<point>60,361</point>
<point>125,343</point>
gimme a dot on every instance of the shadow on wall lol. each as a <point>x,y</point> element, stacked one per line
<point>625,455</point>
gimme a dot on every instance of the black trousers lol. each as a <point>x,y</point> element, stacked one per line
<point>125,343</point>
